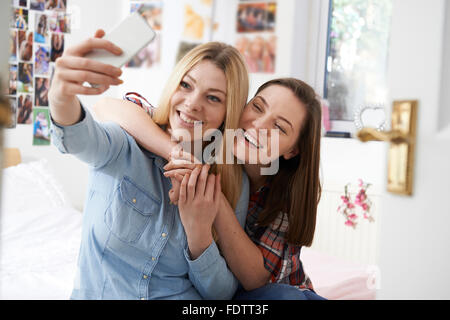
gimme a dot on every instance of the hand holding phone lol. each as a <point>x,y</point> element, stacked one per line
<point>97,61</point>
<point>132,35</point>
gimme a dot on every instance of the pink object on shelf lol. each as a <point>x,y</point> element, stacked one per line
<point>326,115</point>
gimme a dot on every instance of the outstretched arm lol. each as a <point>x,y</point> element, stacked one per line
<point>133,119</point>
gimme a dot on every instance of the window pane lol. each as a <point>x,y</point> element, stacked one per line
<point>358,40</point>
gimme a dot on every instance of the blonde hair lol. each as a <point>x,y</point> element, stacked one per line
<point>229,60</point>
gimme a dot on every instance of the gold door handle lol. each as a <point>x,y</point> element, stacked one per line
<point>371,134</point>
<point>402,145</point>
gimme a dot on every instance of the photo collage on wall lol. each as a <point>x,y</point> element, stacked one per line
<point>37,29</point>
<point>197,25</point>
<point>256,39</point>
<point>152,11</point>
<point>197,28</point>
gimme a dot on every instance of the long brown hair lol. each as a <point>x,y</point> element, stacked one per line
<point>300,174</point>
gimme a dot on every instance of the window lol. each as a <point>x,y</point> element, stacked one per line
<point>356,59</point>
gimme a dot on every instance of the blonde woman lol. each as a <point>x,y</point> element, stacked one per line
<point>135,243</point>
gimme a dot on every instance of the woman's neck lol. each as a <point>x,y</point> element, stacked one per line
<point>254,175</point>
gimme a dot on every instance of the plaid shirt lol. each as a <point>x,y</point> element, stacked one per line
<point>280,258</point>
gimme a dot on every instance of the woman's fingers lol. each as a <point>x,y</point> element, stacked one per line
<point>201,182</point>
<point>92,44</point>
<point>81,76</point>
<point>183,190</point>
<point>70,88</point>
<point>174,173</point>
<point>218,189</point>
<point>100,33</point>
<point>210,187</point>
<point>174,193</point>
<point>79,63</point>
<point>179,154</point>
<point>179,164</point>
<point>192,184</point>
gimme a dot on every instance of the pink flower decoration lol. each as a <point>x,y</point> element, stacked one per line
<point>350,223</point>
<point>348,207</point>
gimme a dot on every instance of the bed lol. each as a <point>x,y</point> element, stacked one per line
<point>40,236</point>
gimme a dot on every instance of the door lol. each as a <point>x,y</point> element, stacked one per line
<point>414,234</point>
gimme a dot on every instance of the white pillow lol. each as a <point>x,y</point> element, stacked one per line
<point>30,186</point>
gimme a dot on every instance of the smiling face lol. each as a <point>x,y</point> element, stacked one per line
<point>200,99</point>
<point>273,113</point>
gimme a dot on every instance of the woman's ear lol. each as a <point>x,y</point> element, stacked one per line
<point>291,153</point>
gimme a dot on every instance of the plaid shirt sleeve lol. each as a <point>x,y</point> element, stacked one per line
<point>281,258</point>
<point>140,101</point>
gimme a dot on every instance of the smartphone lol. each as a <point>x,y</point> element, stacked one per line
<point>131,35</point>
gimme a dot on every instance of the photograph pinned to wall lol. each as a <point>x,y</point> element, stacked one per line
<point>57,5</point>
<point>197,25</point>
<point>41,28</point>
<point>59,22</point>
<point>38,5</point>
<point>19,19</point>
<point>151,11</point>
<point>12,79</point>
<point>194,25</point>
<point>41,85</point>
<point>13,113</point>
<point>24,109</point>
<point>259,51</point>
<point>20,3</point>
<point>183,48</point>
<point>25,76</point>
<point>41,60</point>
<point>256,17</point>
<point>208,3</point>
<point>13,46</point>
<point>150,55</point>
<point>41,122</point>
<point>36,40</point>
<point>25,44</point>
<point>57,46</point>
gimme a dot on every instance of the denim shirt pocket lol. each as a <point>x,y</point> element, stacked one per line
<point>130,211</point>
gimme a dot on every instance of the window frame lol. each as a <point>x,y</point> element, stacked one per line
<point>318,55</point>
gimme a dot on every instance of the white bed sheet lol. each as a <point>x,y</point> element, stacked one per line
<point>40,237</point>
<point>39,250</point>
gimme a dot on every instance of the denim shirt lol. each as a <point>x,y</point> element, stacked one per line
<point>133,242</point>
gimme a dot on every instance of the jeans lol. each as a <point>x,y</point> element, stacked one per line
<point>276,291</point>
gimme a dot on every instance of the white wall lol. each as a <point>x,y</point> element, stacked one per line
<point>299,31</point>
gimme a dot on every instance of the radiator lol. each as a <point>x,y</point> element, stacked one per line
<point>333,237</point>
